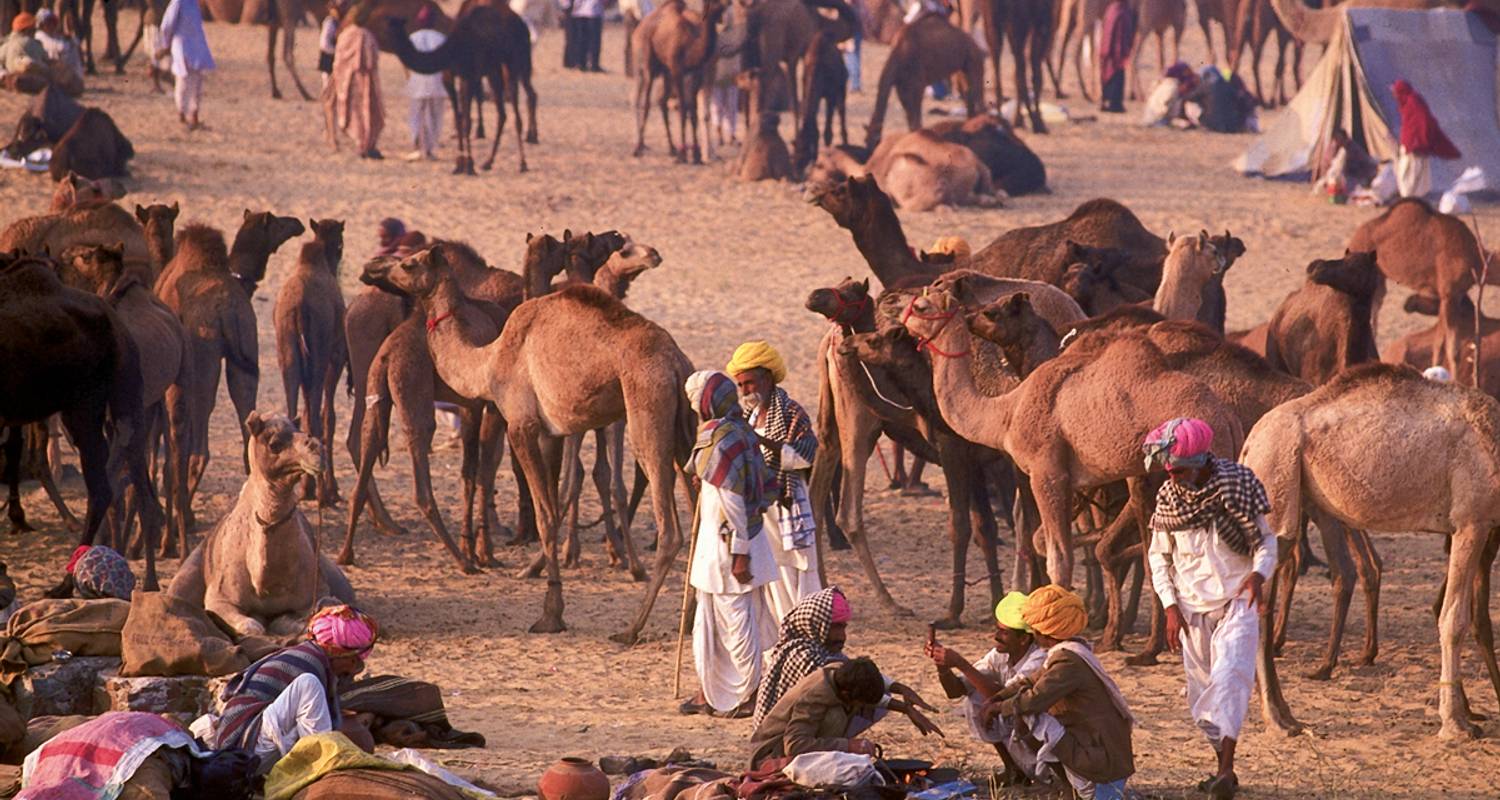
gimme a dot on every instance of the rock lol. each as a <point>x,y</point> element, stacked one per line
<point>186,694</point>
<point>626,765</point>
<point>62,688</point>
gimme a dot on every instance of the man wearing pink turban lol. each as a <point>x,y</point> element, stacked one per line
<point>1211,553</point>
<point>295,692</point>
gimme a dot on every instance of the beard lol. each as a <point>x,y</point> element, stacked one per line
<point>750,402</point>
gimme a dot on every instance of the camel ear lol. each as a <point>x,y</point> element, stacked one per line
<point>175,209</point>
<point>864,285</point>
<point>1203,234</point>
<point>1171,238</point>
<point>117,250</point>
<point>312,224</point>
<point>1016,302</point>
<point>140,213</point>
<point>567,235</point>
<point>248,215</point>
<point>529,237</point>
<point>254,423</point>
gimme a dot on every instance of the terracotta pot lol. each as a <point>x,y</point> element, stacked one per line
<point>573,779</point>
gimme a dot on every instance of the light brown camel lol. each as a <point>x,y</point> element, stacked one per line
<point>1156,17</point>
<point>1324,327</point>
<point>765,156</point>
<point>1029,26</point>
<point>928,50</point>
<point>1223,12</point>
<point>209,287</point>
<point>679,46</point>
<point>1028,422</point>
<point>1081,16</point>
<point>157,223</point>
<point>165,367</point>
<point>1431,253</point>
<point>75,192</point>
<point>370,317</point>
<point>1415,349</point>
<point>918,169</point>
<point>310,346</point>
<point>259,570</point>
<point>1192,263</point>
<point>619,365</point>
<point>109,224</point>
<point>1347,453</point>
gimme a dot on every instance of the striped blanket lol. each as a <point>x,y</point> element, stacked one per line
<point>248,694</point>
<point>94,760</point>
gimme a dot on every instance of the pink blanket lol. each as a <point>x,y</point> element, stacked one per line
<point>94,760</point>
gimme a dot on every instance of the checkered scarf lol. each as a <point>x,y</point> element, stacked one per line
<point>799,650</point>
<point>787,423</point>
<point>1230,500</point>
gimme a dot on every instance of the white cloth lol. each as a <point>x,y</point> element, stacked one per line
<point>996,666</point>
<point>425,118</point>
<point>720,537</point>
<point>1194,568</point>
<point>300,710</point>
<point>181,31</point>
<point>419,86</point>
<point>188,92</point>
<point>1413,174</point>
<point>727,647</point>
<point>328,35</point>
<point>833,769</point>
<point>151,35</point>
<point>1218,655</point>
<point>588,8</point>
<point>797,570</point>
<point>62,49</point>
<point>1163,104</point>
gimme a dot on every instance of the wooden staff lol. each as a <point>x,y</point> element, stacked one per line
<point>687,588</point>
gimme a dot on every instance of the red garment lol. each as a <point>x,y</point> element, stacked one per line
<point>1118,39</point>
<point>1420,133</point>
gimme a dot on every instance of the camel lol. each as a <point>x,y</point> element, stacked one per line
<point>928,50</point>
<point>209,287</point>
<point>1039,252</point>
<point>1081,16</point>
<point>858,205</point>
<point>620,365</point>
<point>259,570</point>
<point>515,54</point>
<point>1431,253</point>
<point>920,171</point>
<point>77,193</point>
<point>108,224</point>
<point>1029,26</point>
<point>1316,25</point>
<point>67,352</point>
<point>279,16</point>
<point>677,45</point>
<point>825,81</point>
<point>1324,327</point>
<point>477,51</point>
<point>1027,422</point>
<point>166,376</point>
<point>781,32</point>
<point>1013,166</point>
<point>1415,349</point>
<point>1192,263</point>
<point>1156,17</point>
<point>157,221</point>
<point>310,346</point>
<point>1346,454</point>
<point>764,156</point>
<point>1223,12</point>
<point>33,465</point>
<point>1092,279</point>
<point>1255,25</point>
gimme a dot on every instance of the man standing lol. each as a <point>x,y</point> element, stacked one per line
<point>425,92</point>
<point>182,36</point>
<point>1015,656</point>
<point>731,557</point>
<point>588,21</point>
<point>1211,554</point>
<point>1115,50</point>
<point>352,100</point>
<point>788,444</point>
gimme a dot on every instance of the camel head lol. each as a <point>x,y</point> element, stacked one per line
<point>279,452</point>
<point>76,192</point>
<point>330,232</point>
<point>589,252</point>
<point>1092,278</point>
<point>1008,322</point>
<point>630,261</point>
<point>851,200</point>
<point>1356,274</point>
<point>260,235</point>
<point>417,276</point>
<point>1230,248</point>
<point>930,311</point>
<point>841,304</point>
<point>889,348</point>
<point>1193,259</point>
<point>158,221</point>
<point>31,135</point>
<point>93,268</point>
<point>546,258</point>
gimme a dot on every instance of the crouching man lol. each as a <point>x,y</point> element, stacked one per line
<point>825,711</point>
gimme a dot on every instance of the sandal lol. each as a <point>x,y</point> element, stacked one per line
<point>1222,789</point>
<point>689,708</point>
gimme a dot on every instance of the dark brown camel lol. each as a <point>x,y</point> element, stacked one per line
<point>157,221</point>
<point>677,45</point>
<point>1013,166</point>
<point>517,57</point>
<point>1039,252</point>
<point>825,81</point>
<point>1324,327</point>
<point>928,50</point>
<point>1028,26</point>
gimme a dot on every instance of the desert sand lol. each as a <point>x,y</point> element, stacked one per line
<point>739,262</point>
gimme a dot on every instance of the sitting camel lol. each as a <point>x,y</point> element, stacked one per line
<point>919,170</point>
<point>1348,453</point>
<point>928,50</point>
<point>1324,327</point>
<point>1191,266</point>
<point>259,570</point>
<point>1039,252</point>
<point>764,156</point>
<point>92,145</point>
<point>1014,168</point>
<point>1415,349</point>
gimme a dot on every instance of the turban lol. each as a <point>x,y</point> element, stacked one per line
<point>23,21</point>
<point>1182,443</point>
<point>1056,612</point>
<point>757,355</point>
<point>343,630</point>
<point>841,612</point>
<point>1439,374</point>
<point>1008,612</point>
<point>99,572</point>
<point>392,227</point>
<point>44,15</point>
<point>951,245</point>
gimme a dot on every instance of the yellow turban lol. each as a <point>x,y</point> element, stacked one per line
<point>1056,612</point>
<point>1008,612</point>
<point>951,245</point>
<point>757,354</point>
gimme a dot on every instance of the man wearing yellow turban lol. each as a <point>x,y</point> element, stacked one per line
<point>788,444</point>
<point>1015,657</point>
<point>1074,708</point>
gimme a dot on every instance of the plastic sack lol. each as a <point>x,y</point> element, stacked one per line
<point>832,768</point>
<point>1454,201</point>
<point>1384,186</point>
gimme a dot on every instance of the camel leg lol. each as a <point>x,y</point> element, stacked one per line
<point>858,435</point>
<point>1115,565</point>
<point>569,493</point>
<point>1292,563</point>
<point>328,485</point>
<point>654,445</point>
<point>289,11</point>
<point>1083,81</point>
<point>271,31</point>
<point>491,452</point>
<point>526,447</point>
<point>1038,54</point>
<point>642,100</point>
<point>377,424</point>
<point>982,519</point>
<point>1484,633</point>
<point>616,436</point>
<point>175,471</point>
<point>379,516</point>
<point>1336,547</point>
<point>959,474</point>
<point>138,464</point>
<point>1131,611</point>
<point>469,417</point>
<point>1274,708</point>
<point>419,425</point>
<point>1368,568</point>
<point>666,123</point>
<point>911,102</point>
<point>1053,500</point>
<point>531,134</point>
<point>14,449</point>
<point>205,389</point>
<point>1453,625</point>
<point>50,487</point>
<point>523,136</point>
<point>242,391</point>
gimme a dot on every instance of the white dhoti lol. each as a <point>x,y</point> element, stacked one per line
<point>300,710</point>
<point>726,647</point>
<point>1413,174</point>
<point>1218,654</point>
<point>797,569</point>
<point>1001,732</point>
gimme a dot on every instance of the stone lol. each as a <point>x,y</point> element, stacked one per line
<point>186,694</point>
<point>61,688</point>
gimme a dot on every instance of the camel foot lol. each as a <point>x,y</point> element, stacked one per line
<point>303,92</point>
<point>534,569</point>
<point>531,138</point>
<point>1322,673</point>
<point>638,574</point>
<point>488,561</point>
<point>64,589</point>
<point>1367,659</point>
<point>523,167</point>
<point>346,558</point>
<point>470,568</point>
<point>1146,659</point>
<point>1037,126</point>
<point>1475,716</point>
<point>627,638</point>
<point>18,528</point>
<point>548,625</point>
<point>896,608</point>
<point>639,151</point>
<point>1107,644</point>
<point>488,165</point>
<point>948,623</point>
<point>275,94</point>
<point>1458,729</point>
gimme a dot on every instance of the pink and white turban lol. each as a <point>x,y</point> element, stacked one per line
<point>1180,443</point>
<point>343,630</point>
<point>841,611</point>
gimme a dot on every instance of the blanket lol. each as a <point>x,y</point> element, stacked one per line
<point>37,630</point>
<point>93,761</point>
<point>313,757</point>
<point>408,713</point>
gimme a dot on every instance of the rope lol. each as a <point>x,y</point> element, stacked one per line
<point>880,451</point>
<point>876,387</point>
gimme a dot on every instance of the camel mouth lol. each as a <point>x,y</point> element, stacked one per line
<point>377,273</point>
<point>821,302</point>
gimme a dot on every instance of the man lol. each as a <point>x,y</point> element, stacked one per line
<point>425,92</point>
<point>819,713</point>
<point>788,444</point>
<point>388,236</point>
<point>294,693</point>
<point>182,34</point>
<point>587,17</point>
<point>23,60</point>
<point>1015,656</point>
<point>63,60</point>
<point>1076,714</point>
<point>352,100</point>
<point>1115,51</point>
<point>731,556</point>
<point>1211,554</point>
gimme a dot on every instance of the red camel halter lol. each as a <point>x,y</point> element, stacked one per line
<point>926,342</point>
<point>432,322</point>
<point>847,311</point>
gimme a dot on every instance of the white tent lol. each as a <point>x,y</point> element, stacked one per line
<point>1447,55</point>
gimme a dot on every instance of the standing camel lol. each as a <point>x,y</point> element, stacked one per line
<point>928,50</point>
<point>1028,26</point>
<point>1255,24</point>
<point>618,365</point>
<point>279,16</point>
<point>1156,17</point>
<point>679,46</point>
<point>1324,327</point>
<point>1083,17</point>
<point>779,33</point>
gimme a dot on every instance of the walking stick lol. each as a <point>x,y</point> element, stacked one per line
<point>687,587</point>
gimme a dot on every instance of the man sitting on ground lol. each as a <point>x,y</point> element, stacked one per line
<point>63,58</point>
<point>23,61</point>
<point>1015,657</point>
<point>824,712</point>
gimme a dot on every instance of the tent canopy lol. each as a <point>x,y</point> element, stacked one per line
<point>1446,55</point>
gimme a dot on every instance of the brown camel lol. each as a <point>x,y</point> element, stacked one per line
<point>1415,349</point>
<point>277,15</point>
<point>1255,26</point>
<point>1039,252</point>
<point>1156,17</point>
<point>1013,166</point>
<point>515,54</point>
<point>259,570</point>
<point>620,365</point>
<point>1081,16</point>
<point>77,193</point>
<point>1224,12</point>
<point>928,50</point>
<point>825,82</point>
<point>1347,453</point>
<point>1027,421</point>
<point>157,223</point>
<point>858,205</point>
<point>1029,26</point>
<point>679,46</point>
<point>370,317</point>
<point>310,346</point>
<point>780,33</point>
<point>165,369</point>
<point>108,224</point>
<point>765,155</point>
<point>1324,327</point>
<point>209,287</point>
<point>919,169</point>
<point>1192,263</point>
<point>1431,253</point>
<point>34,465</point>
<point>1092,279</point>
<point>67,352</point>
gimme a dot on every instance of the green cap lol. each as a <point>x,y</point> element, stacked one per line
<point>1008,612</point>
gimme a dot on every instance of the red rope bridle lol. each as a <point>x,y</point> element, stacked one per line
<point>926,342</point>
<point>852,310</point>
<point>432,322</point>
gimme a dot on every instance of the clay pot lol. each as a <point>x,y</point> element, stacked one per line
<point>573,779</point>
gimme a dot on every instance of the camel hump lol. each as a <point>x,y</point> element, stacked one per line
<point>1375,373</point>
<point>200,245</point>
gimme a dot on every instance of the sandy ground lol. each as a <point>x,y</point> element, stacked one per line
<point>739,260</point>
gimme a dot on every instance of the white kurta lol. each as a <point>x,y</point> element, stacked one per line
<point>798,566</point>
<point>1194,570</point>
<point>727,628</point>
<point>996,665</point>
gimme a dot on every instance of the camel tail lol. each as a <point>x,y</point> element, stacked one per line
<point>309,351</point>
<point>1273,451</point>
<point>238,336</point>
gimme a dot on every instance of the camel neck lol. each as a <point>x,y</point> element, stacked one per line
<point>459,352</point>
<point>1177,297</point>
<point>1026,356</point>
<point>612,282</point>
<point>881,241</point>
<point>972,415</point>
<point>160,250</point>
<point>272,552</point>
<point>247,266</point>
